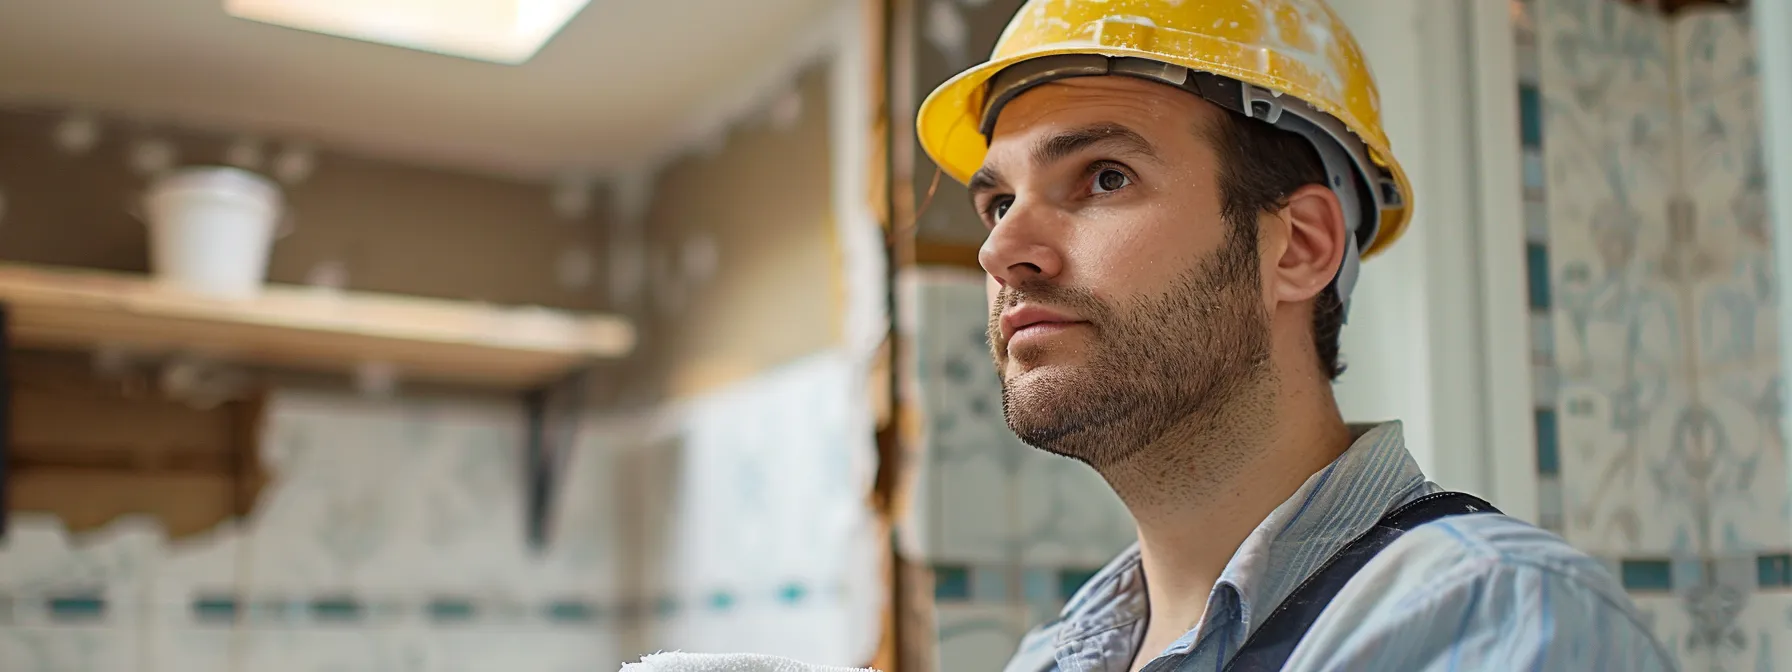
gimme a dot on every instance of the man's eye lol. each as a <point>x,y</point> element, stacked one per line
<point>1109,180</point>
<point>999,208</point>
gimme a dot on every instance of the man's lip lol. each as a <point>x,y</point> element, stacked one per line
<point>1022,316</point>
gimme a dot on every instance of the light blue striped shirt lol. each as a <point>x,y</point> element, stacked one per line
<point>1473,592</point>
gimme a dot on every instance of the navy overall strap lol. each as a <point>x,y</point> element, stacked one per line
<point>1273,642</point>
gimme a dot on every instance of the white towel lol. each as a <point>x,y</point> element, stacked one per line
<point>726,662</point>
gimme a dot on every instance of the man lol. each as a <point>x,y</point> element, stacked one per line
<point>1177,195</point>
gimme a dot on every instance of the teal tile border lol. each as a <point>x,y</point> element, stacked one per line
<point>951,583</point>
<point>452,610</point>
<point>338,609</point>
<point>1537,275</point>
<point>1646,575</point>
<point>721,600</point>
<point>1038,585</point>
<point>216,609</point>
<point>76,607</point>
<point>1549,459</point>
<point>224,610</point>
<point>989,584</point>
<point>994,584</point>
<point>571,611</point>
<point>1070,580</point>
<point>1530,116</point>
<point>1774,570</point>
<point>792,593</point>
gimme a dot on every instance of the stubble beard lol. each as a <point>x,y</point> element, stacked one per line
<point>1181,365</point>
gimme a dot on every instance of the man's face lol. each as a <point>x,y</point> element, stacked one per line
<point>1121,302</point>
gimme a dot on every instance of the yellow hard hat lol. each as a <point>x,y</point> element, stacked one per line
<point>1291,63</point>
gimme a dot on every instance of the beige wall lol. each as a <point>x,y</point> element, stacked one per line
<point>778,290</point>
<point>396,228</point>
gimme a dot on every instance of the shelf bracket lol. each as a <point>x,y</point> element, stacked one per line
<point>554,414</point>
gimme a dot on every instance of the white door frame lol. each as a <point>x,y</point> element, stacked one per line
<point>1439,334</point>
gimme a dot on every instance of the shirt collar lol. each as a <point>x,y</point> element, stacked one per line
<point>1333,506</point>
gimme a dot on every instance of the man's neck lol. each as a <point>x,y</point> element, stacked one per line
<point>1198,494</point>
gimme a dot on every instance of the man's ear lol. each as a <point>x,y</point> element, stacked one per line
<point>1315,247</point>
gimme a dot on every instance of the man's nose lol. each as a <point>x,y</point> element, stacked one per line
<point>1020,248</point>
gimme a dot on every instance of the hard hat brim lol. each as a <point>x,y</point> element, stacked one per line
<point>948,119</point>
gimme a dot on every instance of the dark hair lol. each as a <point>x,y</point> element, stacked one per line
<point>1259,166</point>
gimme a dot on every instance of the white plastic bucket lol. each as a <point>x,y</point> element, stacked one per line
<point>212,229</point>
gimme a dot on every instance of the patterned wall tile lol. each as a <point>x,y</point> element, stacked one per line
<point>1608,49</point>
<point>1617,332</point>
<point>1714,52</point>
<point>1727,256</point>
<point>1733,440</point>
<point>1764,626</point>
<point>1669,621</point>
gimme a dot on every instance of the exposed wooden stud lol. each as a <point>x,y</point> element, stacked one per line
<point>5,416</point>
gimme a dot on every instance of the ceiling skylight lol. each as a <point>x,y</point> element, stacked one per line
<point>500,31</point>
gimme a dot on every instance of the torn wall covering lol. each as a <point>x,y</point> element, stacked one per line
<point>392,538</point>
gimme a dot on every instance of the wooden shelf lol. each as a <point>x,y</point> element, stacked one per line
<point>308,328</point>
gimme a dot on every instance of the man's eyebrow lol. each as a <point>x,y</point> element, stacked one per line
<point>1057,147</point>
<point>985,179</point>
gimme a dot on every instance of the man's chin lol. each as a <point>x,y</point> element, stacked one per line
<point>1048,366</point>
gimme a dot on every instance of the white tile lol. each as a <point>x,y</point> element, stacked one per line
<point>67,649</point>
<point>1765,626</point>
<point>39,555</point>
<point>1669,621</point>
<point>522,649</point>
<point>972,510</point>
<point>1535,181</point>
<point>1545,388</point>
<point>1543,340</point>
<point>767,480</point>
<point>978,637</point>
<point>1066,515</point>
<point>967,512</point>
<point>322,649</point>
<point>1536,220</point>
<point>1549,503</point>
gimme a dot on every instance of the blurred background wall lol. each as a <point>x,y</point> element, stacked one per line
<point>799,449</point>
<point>717,492</point>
